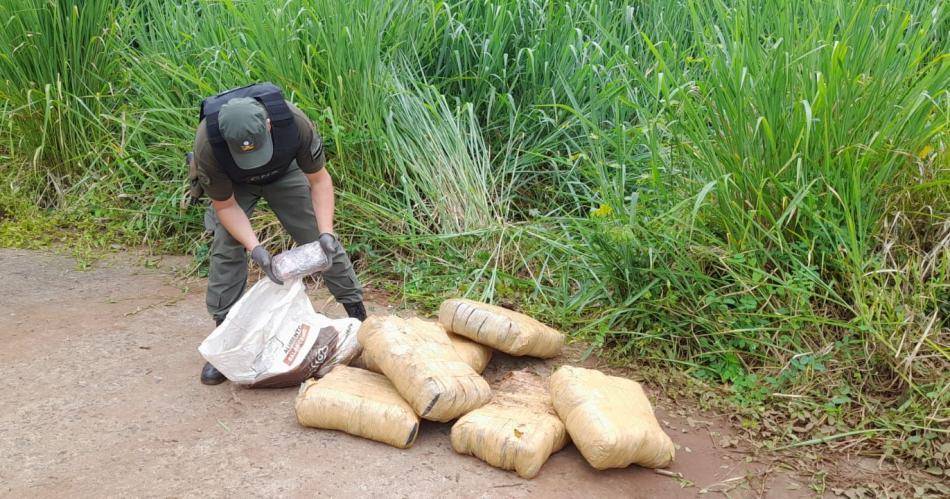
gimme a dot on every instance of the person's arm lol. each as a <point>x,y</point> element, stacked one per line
<point>321,195</point>
<point>312,161</point>
<point>234,219</point>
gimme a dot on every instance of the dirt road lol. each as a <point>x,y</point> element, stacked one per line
<point>101,397</point>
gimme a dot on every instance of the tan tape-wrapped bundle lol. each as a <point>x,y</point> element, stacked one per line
<point>419,359</point>
<point>500,328</point>
<point>609,419</point>
<point>360,403</point>
<point>471,353</point>
<point>518,430</point>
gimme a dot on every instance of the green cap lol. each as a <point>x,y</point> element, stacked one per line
<point>243,124</point>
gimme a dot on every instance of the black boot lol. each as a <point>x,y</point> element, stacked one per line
<point>355,310</point>
<point>209,374</point>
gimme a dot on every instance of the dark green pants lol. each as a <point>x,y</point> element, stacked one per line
<point>289,197</point>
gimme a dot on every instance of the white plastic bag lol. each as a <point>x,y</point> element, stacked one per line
<point>272,338</point>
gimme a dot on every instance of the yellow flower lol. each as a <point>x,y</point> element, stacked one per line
<point>603,211</point>
<point>925,151</point>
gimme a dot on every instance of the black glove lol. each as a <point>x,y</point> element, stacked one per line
<point>329,244</point>
<point>262,258</point>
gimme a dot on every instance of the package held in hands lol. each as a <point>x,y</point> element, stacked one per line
<point>518,430</point>
<point>500,328</point>
<point>301,261</point>
<point>360,403</point>
<point>609,419</point>
<point>418,358</point>
<point>273,338</point>
<point>471,353</point>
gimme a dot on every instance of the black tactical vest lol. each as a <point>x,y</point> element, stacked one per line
<point>284,133</point>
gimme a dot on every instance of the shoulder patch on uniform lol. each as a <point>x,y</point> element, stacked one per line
<point>316,147</point>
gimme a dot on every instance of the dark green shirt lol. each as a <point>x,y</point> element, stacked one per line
<point>216,183</point>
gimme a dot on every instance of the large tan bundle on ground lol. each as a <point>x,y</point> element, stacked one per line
<point>418,358</point>
<point>473,354</point>
<point>518,430</point>
<point>470,352</point>
<point>500,328</point>
<point>609,419</point>
<point>360,403</point>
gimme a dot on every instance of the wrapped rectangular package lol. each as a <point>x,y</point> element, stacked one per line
<point>301,261</point>
<point>419,359</point>
<point>518,430</point>
<point>609,419</point>
<point>360,403</point>
<point>500,328</point>
<point>470,352</point>
<point>474,354</point>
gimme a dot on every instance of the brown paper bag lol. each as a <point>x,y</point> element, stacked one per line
<point>500,328</point>
<point>518,430</point>
<point>360,403</point>
<point>609,419</point>
<point>419,359</point>
<point>470,352</point>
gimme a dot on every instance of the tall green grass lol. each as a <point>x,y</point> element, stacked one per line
<point>59,73</point>
<point>753,191</point>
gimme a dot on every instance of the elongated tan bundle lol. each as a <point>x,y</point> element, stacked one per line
<point>360,403</point>
<point>500,328</point>
<point>518,430</point>
<point>473,354</point>
<point>470,352</point>
<point>418,358</point>
<point>609,419</point>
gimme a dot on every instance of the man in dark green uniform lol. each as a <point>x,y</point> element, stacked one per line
<point>253,144</point>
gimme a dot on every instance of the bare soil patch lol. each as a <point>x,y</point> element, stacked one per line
<point>101,398</point>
